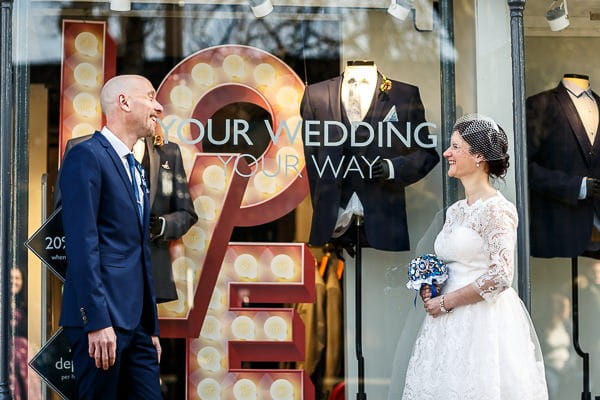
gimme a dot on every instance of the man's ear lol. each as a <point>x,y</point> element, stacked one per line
<point>124,103</point>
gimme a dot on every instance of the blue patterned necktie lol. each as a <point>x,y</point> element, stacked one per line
<point>133,165</point>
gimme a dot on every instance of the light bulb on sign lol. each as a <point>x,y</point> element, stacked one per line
<point>205,208</point>
<point>209,389</point>
<point>82,129</point>
<point>216,300</point>
<point>180,267</point>
<point>282,266</point>
<point>246,266</point>
<point>282,389</point>
<point>86,75</point>
<point>243,328</point>
<point>203,74</point>
<point>214,177</point>
<point>245,389</point>
<point>264,183</point>
<point>276,328</point>
<point>182,97</point>
<point>209,359</point>
<point>264,74</point>
<point>211,328</point>
<point>86,44</point>
<point>195,239</point>
<point>176,306</point>
<point>85,105</point>
<point>234,66</point>
<point>287,97</point>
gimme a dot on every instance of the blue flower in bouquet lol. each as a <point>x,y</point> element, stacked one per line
<point>426,269</point>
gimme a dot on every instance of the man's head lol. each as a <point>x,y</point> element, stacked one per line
<point>129,103</point>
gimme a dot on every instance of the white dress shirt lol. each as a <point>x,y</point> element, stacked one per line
<point>122,151</point>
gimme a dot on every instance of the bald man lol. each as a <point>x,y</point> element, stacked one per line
<point>109,306</point>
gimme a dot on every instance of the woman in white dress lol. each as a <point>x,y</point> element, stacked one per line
<point>477,340</point>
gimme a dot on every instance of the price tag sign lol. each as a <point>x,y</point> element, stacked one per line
<point>48,243</point>
<point>54,365</point>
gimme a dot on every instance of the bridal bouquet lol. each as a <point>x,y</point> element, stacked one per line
<point>429,270</point>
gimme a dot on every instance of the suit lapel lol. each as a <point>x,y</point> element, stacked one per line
<point>574,120</point>
<point>335,98</point>
<point>380,99</point>
<point>596,146</point>
<point>120,169</point>
<point>154,160</point>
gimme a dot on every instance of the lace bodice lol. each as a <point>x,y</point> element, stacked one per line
<point>478,243</point>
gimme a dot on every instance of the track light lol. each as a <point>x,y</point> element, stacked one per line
<point>399,9</point>
<point>261,8</point>
<point>558,15</point>
<point>120,5</point>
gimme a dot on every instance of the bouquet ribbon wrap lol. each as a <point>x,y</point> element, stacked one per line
<point>426,269</point>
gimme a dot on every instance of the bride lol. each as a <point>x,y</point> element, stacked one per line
<point>477,340</point>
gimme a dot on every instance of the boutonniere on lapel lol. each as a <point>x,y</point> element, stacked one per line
<point>157,140</point>
<point>165,165</point>
<point>386,84</point>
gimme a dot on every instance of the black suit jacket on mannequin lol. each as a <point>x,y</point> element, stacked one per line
<point>384,203</point>
<point>170,199</point>
<point>560,155</point>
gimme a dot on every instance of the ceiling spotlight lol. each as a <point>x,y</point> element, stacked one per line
<point>400,8</point>
<point>261,8</point>
<point>120,5</point>
<point>558,15</point>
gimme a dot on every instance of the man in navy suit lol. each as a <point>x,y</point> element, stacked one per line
<point>109,307</point>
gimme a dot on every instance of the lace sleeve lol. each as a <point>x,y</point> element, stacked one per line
<point>499,231</point>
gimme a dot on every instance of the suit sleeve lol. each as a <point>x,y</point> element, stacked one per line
<point>557,184</point>
<point>81,185</point>
<point>57,194</point>
<point>183,216</point>
<point>310,152</point>
<point>412,167</point>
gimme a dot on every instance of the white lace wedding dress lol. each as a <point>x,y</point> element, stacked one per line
<point>487,350</point>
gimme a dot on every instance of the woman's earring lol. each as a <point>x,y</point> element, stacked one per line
<point>477,164</point>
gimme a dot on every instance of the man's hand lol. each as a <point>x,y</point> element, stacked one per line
<point>156,343</point>
<point>155,226</point>
<point>380,170</point>
<point>592,187</point>
<point>102,347</point>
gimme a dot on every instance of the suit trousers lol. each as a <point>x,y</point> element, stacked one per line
<point>135,374</point>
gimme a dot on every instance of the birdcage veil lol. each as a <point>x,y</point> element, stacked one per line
<point>483,135</point>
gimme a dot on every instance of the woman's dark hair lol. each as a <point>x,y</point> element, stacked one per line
<point>490,143</point>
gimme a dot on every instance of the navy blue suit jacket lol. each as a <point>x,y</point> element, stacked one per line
<point>383,201</point>
<point>109,275</point>
<point>560,155</point>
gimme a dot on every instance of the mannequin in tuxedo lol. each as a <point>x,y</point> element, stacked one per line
<point>171,210</point>
<point>376,192</point>
<point>564,169</point>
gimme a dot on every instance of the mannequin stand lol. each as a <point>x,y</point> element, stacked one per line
<point>360,395</point>
<point>586,394</point>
